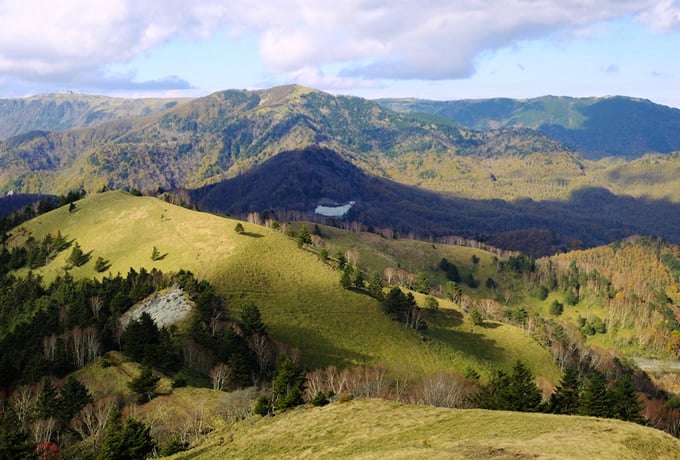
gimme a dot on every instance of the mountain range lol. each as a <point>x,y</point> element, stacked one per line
<point>594,126</point>
<point>412,166</point>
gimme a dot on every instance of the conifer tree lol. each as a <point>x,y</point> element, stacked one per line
<point>288,384</point>
<point>565,398</point>
<point>73,397</point>
<point>626,404</point>
<point>595,399</point>
<point>251,321</point>
<point>48,402</point>
<point>523,392</point>
<point>144,385</point>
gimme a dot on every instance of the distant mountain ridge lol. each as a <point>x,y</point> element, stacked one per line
<point>58,112</point>
<point>596,127</point>
<point>219,136</point>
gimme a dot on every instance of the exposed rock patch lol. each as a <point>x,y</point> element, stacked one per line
<point>165,309</point>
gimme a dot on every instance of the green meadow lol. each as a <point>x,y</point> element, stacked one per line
<point>299,296</point>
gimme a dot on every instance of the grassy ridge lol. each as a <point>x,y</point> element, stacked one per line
<point>379,429</point>
<point>299,297</point>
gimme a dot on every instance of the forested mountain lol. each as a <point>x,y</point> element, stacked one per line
<point>223,134</point>
<point>58,112</point>
<point>596,127</point>
<point>300,180</point>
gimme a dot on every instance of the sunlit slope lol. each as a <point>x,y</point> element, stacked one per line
<point>378,429</point>
<point>299,296</point>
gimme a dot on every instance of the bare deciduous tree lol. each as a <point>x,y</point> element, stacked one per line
<point>221,375</point>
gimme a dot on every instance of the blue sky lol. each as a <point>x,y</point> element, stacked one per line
<point>436,49</point>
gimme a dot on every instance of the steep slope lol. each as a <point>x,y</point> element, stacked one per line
<point>596,127</point>
<point>300,297</point>
<point>377,429</point>
<point>58,112</point>
<point>221,135</point>
<point>300,180</point>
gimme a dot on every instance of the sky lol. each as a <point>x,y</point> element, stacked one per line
<point>429,49</point>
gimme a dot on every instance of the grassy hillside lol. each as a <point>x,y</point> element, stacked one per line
<point>379,429</point>
<point>299,296</point>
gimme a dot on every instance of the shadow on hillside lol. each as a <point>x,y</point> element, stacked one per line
<point>252,234</point>
<point>291,184</point>
<point>468,341</point>
<point>448,317</point>
<point>318,351</point>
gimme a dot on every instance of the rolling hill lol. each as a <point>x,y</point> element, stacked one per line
<point>376,429</point>
<point>596,127</point>
<point>300,297</point>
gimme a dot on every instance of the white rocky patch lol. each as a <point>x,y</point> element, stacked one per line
<point>165,309</point>
<point>334,211</point>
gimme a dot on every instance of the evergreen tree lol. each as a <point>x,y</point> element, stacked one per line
<point>137,441</point>
<point>144,385</point>
<point>288,383</point>
<point>130,442</point>
<point>77,257</point>
<point>138,335</point>
<point>239,228</point>
<point>595,399</point>
<point>113,446</point>
<point>375,286</point>
<point>303,237</point>
<point>495,395</point>
<point>626,404</point>
<point>346,277</point>
<point>358,278</point>
<point>48,401</point>
<point>73,397</point>
<point>14,443</point>
<point>565,398</point>
<point>523,392</point>
<point>251,321</point>
<point>517,391</point>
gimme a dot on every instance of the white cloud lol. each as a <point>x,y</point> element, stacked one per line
<point>365,39</point>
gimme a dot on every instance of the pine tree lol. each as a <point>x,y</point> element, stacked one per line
<point>595,399</point>
<point>251,321</point>
<point>375,286</point>
<point>113,446</point>
<point>73,397</point>
<point>516,391</point>
<point>48,402</point>
<point>346,277</point>
<point>626,404</point>
<point>144,385</point>
<point>130,442</point>
<point>565,398</point>
<point>523,392</point>
<point>288,384</point>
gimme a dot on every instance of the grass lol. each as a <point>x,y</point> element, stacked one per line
<point>373,429</point>
<point>299,297</point>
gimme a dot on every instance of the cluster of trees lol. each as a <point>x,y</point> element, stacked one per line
<point>575,395</point>
<point>55,329</point>
<point>14,219</point>
<point>32,254</point>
